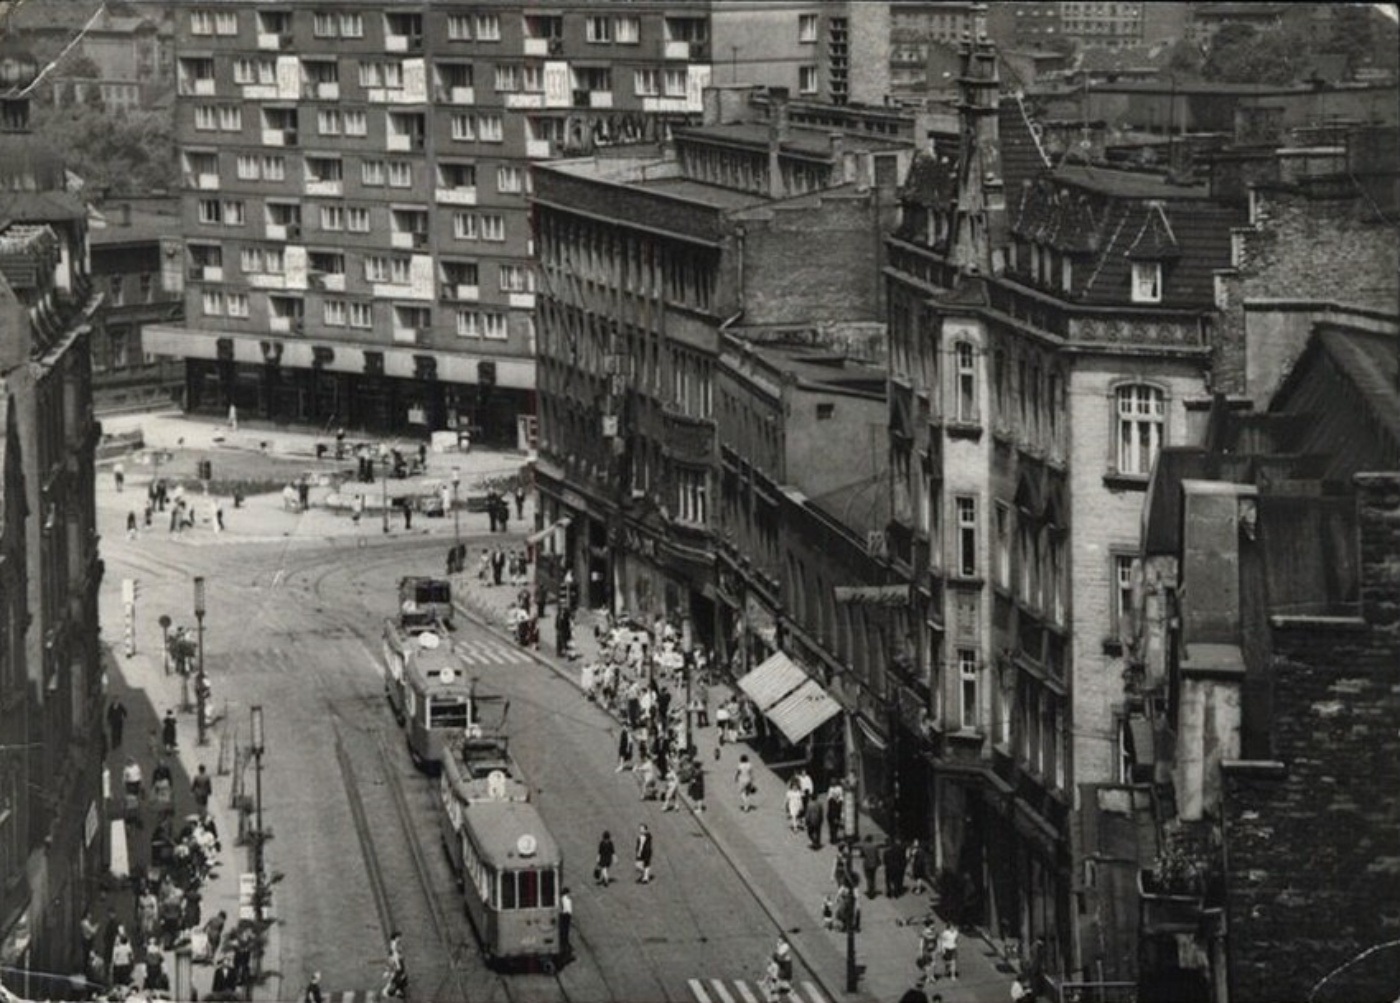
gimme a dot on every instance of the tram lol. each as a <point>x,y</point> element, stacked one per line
<point>428,688</point>
<point>477,766</point>
<point>425,601</point>
<point>511,873</point>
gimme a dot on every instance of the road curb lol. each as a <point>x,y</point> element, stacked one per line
<point>483,618</point>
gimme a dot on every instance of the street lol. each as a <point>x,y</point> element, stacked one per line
<point>293,626</point>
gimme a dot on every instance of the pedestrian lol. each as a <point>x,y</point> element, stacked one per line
<point>928,948</point>
<point>174,518</point>
<point>566,922</point>
<point>697,785</point>
<point>792,799</point>
<point>948,950</point>
<point>491,509</point>
<point>607,853</point>
<point>915,993</point>
<point>917,868</point>
<point>520,501</point>
<point>673,788</point>
<point>225,983</point>
<point>894,868</point>
<point>644,851</point>
<point>303,493</point>
<point>313,992</point>
<point>624,750</point>
<point>233,417</point>
<point>214,931</point>
<point>407,504</point>
<point>218,517</point>
<point>149,513</point>
<point>781,967</point>
<point>743,776</point>
<point>202,788</point>
<point>1020,990</point>
<point>119,476</point>
<point>340,443</point>
<point>870,864</point>
<point>131,524</point>
<point>396,968</point>
<point>835,806</point>
<point>168,728</point>
<point>242,960</point>
<point>123,959</point>
<point>814,823</point>
<point>809,787</point>
<point>116,721</point>
<point>498,565</point>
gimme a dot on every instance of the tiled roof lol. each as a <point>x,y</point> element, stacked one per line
<point>144,227</point>
<point>1369,361</point>
<point>1021,154</point>
<point>40,207</point>
<point>1155,240</point>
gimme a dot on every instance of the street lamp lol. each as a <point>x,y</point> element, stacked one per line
<point>688,668</point>
<point>259,884</point>
<point>384,492</point>
<point>456,522</point>
<point>200,687</point>
<point>164,622</point>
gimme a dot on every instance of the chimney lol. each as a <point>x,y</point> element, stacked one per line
<point>777,133</point>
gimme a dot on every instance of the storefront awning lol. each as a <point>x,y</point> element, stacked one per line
<point>774,679</point>
<point>535,538</point>
<point>802,711</point>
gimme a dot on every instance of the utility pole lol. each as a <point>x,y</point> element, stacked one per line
<point>201,687</point>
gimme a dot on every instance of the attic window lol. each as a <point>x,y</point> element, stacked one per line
<point>825,412</point>
<point>1147,282</point>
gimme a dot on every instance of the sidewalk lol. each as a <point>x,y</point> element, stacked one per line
<point>788,878</point>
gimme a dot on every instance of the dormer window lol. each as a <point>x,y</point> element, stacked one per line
<point>1147,282</point>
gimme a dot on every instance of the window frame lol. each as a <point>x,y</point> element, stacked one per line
<point>1125,458</point>
<point>1146,285</point>
<point>969,675</point>
<point>966,540</point>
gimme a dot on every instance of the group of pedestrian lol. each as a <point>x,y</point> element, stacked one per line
<point>642,855</point>
<point>498,510</point>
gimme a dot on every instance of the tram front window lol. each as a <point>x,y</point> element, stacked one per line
<point>447,712</point>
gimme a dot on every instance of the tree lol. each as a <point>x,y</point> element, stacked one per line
<point>1240,54</point>
<point>1184,60</point>
<point>116,152</point>
<point>1353,34</point>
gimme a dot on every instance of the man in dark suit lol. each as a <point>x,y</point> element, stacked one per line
<point>644,850</point>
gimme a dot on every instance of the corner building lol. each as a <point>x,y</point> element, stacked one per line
<point>1049,330</point>
<point>358,248</point>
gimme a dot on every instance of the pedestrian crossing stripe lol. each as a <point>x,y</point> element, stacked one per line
<point>489,651</point>
<point>739,991</point>
<point>352,996</point>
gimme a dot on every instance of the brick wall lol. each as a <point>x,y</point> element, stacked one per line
<point>803,264</point>
<point>1313,841</point>
<point>1300,248</point>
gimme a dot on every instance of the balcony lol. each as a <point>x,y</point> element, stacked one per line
<point>198,86</point>
<point>533,99</point>
<point>403,43</point>
<point>538,149</point>
<point>400,142</point>
<point>206,182</point>
<point>264,281</point>
<point>276,231</point>
<point>325,187</point>
<point>676,50</point>
<point>272,42</point>
<point>408,335</point>
<point>459,293</point>
<point>280,325</point>
<point>456,95</point>
<point>324,91</point>
<point>536,47</point>
<point>275,137</point>
<point>455,196</point>
<point>521,301</point>
<point>207,273</point>
<point>408,239</point>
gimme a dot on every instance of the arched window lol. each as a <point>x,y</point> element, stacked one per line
<point>1140,416</point>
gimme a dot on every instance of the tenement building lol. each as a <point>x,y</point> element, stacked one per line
<point>646,260</point>
<point>52,814</point>
<point>1048,329</point>
<point>358,247</point>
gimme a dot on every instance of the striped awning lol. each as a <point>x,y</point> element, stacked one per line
<point>774,679</point>
<point>803,710</point>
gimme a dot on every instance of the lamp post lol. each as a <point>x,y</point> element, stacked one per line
<point>456,521</point>
<point>688,668</point>
<point>258,749</point>
<point>384,491</point>
<point>164,622</point>
<point>200,687</point>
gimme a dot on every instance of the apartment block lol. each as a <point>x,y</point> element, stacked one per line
<point>358,246</point>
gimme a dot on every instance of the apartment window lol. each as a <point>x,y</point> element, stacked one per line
<point>238,305</point>
<point>646,83</point>
<point>965,360</point>
<point>324,24</point>
<point>1121,610</point>
<point>372,173</point>
<point>146,286</point>
<point>488,27</point>
<point>329,122</point>
<point>206,118</point>
<point>201,22</point>
<point>459,28</point>
<point>1147,282</point>
<point>493,227</point>
<point>692,501</point>
<point>1140,416</point>
<point>532,79</point>
<point>226,23</point>
<point>967,536</point>
<point>490,128</point>
<point>489,324</point>
<point>400,174</point>
<point>274,168</point>
<point>332,217</point>
<point>599,29</point>
<point>1057,745</point>
<point>509,179</point>
<point>1003,545</point>
<point>967,689</point>
<point>352,26</point>
<point>356,123</point>
<point>674,82</point>
<point>508,77</point>
<point>115,290</point>
<point>807,80</point>
<point>324,169</point>
<point>388,75</point>
<point>464,128</point>
<point>333,313</point>
<point>807,28</point>
<point>357,219</point>
<point>517,279</point>
<point>213,303</point>
<point>233,213</point>
<point>627,30</point>
<point>361,315</point>
<point>456,175</point>
<point>464,226</point>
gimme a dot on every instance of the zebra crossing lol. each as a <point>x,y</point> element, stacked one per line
<point>741,991</point>
<point>489,651</point>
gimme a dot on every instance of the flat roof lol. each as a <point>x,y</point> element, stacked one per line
<point>698,191</point>
<point>799,139</point>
